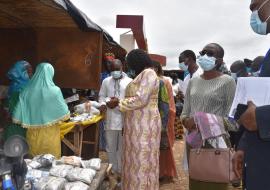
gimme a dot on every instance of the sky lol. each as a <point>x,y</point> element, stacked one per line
<point>172,26</point>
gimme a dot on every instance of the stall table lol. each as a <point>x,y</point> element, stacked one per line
<point>100,176</point>
<point>82,138</point>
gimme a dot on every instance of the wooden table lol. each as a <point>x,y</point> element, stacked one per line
<point>83,140</point>
<point>99,178</point>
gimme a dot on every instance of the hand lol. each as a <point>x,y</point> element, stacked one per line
<point>102,109</point>
<point>248,119</point>
<point>113,103</point>
<point>181,95</point>
<point>238,163</point>
<point>189,124</point>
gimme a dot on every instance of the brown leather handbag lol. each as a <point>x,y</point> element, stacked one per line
<point>212,165</point>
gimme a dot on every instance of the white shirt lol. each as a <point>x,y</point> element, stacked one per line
<point>113,88</point>
<point>187,79</point>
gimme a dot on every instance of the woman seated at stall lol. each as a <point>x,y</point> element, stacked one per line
<point>19,75</point>
<point>41,108</point>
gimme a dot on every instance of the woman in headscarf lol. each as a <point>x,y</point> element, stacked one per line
<point>41,108</point>
<point>167,110</point>
<point>19,76</point>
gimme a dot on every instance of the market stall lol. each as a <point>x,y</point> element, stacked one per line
<point>77,137</point>
<point>57,32</point>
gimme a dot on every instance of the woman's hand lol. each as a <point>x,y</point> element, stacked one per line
<point>189,124</point>
<point>248,119</point>
<point>238,163</point>
<point>113,103</point>
<point>103,109</point>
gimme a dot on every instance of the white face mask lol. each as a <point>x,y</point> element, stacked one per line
<point>256,23</point>
<point>116,74</point>
<point>183,67</point>
<point>207,63</point>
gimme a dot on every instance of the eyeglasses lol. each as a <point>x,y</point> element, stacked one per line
<point>208,53</point>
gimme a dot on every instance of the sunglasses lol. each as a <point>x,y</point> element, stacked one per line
<point>208,53</point>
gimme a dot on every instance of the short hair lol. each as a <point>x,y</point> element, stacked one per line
<point>257,62</point>
<point>237,66</point>
<point>138,60</point>
<point>157,65</point>
<point>188,53</point>
<point>220,50</point>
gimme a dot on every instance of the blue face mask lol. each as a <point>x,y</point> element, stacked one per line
<point>206,62</point>
<point>256,23</point>
<point>183,67</point>
<point>116,74</point>
<point>234,76</point>
<point>186,73</point>
<point>131,73</point>
<point>248,69</point>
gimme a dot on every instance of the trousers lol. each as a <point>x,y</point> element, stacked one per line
<point>114,148</point>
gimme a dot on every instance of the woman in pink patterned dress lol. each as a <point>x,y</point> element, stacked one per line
<point>142,128</point>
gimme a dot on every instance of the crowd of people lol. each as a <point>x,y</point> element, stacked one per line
<point>141,107</point>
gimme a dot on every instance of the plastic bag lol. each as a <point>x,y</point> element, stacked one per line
<point>45,160</point>
<point>71,160</point>
<point>80,174</point>
<point>34,174</point>
<point>50,183</point>
<point>93,163</point>
<point>88,107</point>
<point>60,170</point>
<point>34,165</point>
<point>76,186</point>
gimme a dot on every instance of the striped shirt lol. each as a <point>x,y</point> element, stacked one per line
<point>211,96</point>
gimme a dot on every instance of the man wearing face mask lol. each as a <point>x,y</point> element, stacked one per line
<point>212,92</point>
<point>114,87</point>
<point>260,17</point>
<point>256,66</point>
<point>238,69</point>
<point>253,150</point>
<point>187,63</point>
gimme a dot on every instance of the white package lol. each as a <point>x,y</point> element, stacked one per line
<point>50,183</point>
<point>76,186</point>
<point>80,174</point>
<point>92,163</point>
<point>60,170</point>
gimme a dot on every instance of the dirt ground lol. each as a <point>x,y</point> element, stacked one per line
<point>179,183</point>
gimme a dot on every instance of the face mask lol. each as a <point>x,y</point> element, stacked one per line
<point>256,23</point>
<point>183,67</point>
<point>248,69</point>
<point>207,63</point>
<point>234,76</point>
<point>131,73</point>
<point>25,75</point>
<point>116,74</point>
<point>186,73</point>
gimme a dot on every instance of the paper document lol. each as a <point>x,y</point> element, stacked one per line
<point>256,89</point>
